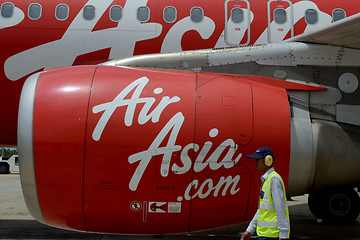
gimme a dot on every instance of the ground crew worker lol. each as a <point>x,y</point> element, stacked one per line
<point>271,220</point>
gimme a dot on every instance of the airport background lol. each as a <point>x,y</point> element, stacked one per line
<point>8,152</point>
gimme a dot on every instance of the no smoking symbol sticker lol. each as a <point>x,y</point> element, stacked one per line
<point>135,206</point>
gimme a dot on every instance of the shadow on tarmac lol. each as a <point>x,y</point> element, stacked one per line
<point>303,226</point>
<point>31,229</point>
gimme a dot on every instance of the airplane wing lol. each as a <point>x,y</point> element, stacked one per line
<point>345,33</point>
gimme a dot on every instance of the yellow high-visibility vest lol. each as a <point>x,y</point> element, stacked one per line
<point>267,225</point>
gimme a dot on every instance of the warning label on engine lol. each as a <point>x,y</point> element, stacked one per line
<point>164,207</point>
<point>174,207</point>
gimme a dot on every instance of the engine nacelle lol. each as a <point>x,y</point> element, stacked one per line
<point>136,151</point>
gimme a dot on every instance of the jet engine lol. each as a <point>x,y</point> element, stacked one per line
<point>141,151</point>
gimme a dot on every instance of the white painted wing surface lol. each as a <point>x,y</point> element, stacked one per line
<point>345,33</point>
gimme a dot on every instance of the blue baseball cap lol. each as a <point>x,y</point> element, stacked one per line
<point>261,153</point>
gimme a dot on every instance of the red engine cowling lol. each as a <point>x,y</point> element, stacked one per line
<point>137,151</point>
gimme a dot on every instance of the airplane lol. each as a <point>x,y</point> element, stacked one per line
<point>41,35</point>
<point>155,140</point>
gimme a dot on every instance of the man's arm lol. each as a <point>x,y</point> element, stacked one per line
<point>253,224</point>
<point>280,207</point>
<point>251,228</point>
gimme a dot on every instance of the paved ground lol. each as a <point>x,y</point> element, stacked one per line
<point>16,222</point>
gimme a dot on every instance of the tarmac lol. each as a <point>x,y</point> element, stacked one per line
<point>17,223</point>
